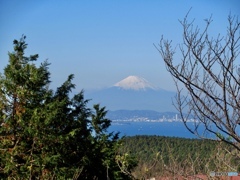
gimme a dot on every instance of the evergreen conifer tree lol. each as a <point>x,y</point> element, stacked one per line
<point>45,134</point>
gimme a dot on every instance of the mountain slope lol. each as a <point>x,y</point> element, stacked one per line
<point>133,95</point>
<point>134,83</point>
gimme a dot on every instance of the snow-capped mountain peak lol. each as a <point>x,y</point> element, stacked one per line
<point>134,83</point>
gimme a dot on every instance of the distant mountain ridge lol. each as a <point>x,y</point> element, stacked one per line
<point>133,93</point>
<point>141,114</point>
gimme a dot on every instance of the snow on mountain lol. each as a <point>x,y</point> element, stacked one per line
<point>133,93</point>
<point>134,83</point>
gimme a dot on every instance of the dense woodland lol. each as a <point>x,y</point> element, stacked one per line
<point>169,156</point>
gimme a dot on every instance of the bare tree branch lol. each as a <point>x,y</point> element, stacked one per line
<point>209,71</point>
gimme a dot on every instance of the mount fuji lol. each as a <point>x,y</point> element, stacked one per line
<point>133,93</point>
<point>134,83</point>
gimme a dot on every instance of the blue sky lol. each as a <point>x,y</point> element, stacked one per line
<point>102,42</point>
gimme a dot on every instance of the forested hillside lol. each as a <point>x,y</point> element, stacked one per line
<point>164,156</point>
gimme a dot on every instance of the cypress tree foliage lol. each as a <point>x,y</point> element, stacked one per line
<point>46,134</point>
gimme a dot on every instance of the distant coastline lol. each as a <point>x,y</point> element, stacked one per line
<point>143,119</point>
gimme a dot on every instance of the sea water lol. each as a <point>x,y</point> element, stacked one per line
<point>172,129</point>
